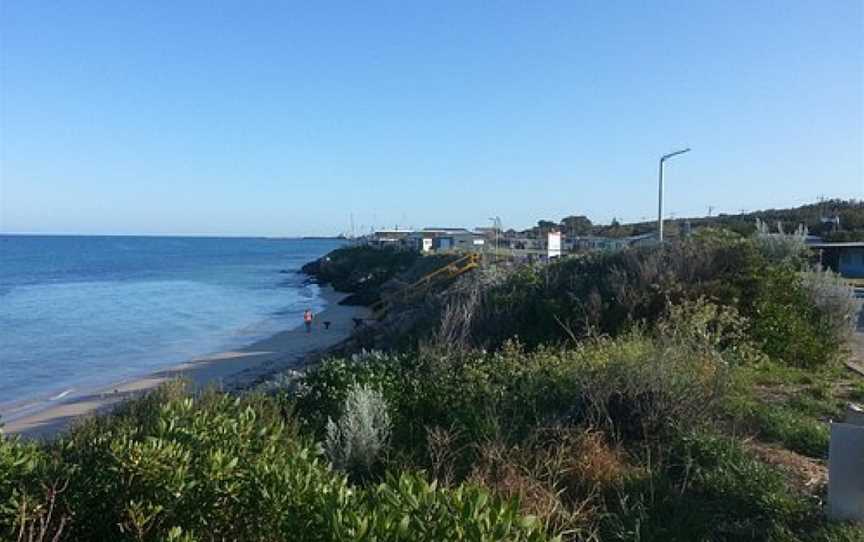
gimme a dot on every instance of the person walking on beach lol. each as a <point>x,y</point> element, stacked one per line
<point>307,319</point>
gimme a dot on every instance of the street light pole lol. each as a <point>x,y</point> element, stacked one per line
<point>496,225</point>
<point>660,198</point>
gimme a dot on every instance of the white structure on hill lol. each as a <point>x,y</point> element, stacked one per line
<point>394,237</point>
<point>553,244</point>
<point>443,239</point>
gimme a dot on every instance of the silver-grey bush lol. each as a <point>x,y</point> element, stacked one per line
<point>835,298</point>
<point>361,434</point>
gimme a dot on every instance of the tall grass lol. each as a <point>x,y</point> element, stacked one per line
<point>779,247</point>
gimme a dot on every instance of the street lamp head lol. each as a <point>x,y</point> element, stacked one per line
<point>671,154</point>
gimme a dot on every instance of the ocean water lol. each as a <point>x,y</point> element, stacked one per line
<point>80,312</point>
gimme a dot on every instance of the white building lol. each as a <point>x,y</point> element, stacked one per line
<point>394,237</point>
<point>444,239</point>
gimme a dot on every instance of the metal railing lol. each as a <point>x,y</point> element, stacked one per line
<point>449,271</point>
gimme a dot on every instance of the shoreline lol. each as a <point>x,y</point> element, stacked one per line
<point>229,370</point>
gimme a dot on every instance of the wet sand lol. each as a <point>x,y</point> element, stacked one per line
<point>231,370</point>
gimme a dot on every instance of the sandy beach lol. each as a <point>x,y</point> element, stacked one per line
<point>227,370</point>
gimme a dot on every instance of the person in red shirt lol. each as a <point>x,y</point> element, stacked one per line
<point>307,319</point>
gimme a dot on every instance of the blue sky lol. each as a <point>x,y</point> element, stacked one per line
<point>285,118</point>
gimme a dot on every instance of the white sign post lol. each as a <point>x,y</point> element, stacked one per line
<point>554,245</point>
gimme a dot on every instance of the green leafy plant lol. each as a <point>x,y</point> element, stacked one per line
<point>786,323</point>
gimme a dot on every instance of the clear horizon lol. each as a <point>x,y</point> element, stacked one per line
<point>267,120</point>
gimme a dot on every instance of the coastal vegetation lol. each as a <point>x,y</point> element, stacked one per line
<point>666,393</point>
<point>816,217</point>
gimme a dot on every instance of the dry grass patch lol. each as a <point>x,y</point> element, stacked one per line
<point>808,475</point>
<point>561,475</point>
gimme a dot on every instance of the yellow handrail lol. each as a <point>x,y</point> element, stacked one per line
<point>452,269</point>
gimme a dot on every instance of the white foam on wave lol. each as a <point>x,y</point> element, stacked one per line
<point>62,394</point>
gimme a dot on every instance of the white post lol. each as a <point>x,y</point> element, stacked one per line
<point>846,468</point>
<point>660,204</point>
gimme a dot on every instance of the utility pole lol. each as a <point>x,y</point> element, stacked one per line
<point>660,198</point>
<point>710,210</point>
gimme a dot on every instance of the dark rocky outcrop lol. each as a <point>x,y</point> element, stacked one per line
<point>360,271</point>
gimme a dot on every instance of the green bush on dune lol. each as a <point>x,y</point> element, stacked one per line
<point>215,466</point>
<point>654,399</point>
<point>793,315</point>
<point>173,467</point>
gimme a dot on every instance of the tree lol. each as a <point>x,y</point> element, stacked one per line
<point>544,227</point>
<point>616,229</point>
<point>576,225</point>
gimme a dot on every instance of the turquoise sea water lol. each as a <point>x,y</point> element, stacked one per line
<point>79,312</point>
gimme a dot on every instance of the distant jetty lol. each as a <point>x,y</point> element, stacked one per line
<point>322,237</point>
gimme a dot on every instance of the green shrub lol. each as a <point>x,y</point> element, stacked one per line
<point>837,532</point>
<point>791,316</point>
<point>707,487</point>
<point>795,431</point>
<point>31,484</point>
<point>857,392</point>
<point>785,321</point>
<point>408,508</point>
<point>224,467</point>
<point>634,387</point>
<point>799,424</point>
<point>609,292</point>
<point>320,393</point>
<point>816,403</point>
<point>215,467</point>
